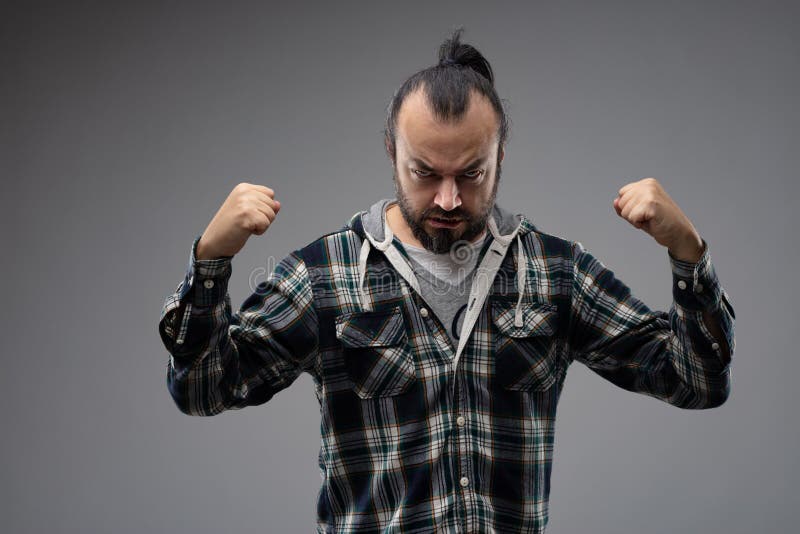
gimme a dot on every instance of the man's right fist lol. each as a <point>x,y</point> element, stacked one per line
<point>248,210</point>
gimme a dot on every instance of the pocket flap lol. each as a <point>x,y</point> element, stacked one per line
<point>371,328</point>
<point>538,319</point>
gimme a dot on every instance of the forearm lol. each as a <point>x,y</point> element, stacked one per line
<point>195,330</point>
<point>699,289</point>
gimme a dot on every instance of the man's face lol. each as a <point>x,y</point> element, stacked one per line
<point>446,174</point>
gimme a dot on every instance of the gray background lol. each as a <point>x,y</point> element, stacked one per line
<point>125,126</point>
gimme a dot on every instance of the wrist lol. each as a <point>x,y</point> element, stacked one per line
<point>202,252</point>
<point>689,250</point>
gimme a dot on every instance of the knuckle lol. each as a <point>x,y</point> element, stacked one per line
<point>257,224</point>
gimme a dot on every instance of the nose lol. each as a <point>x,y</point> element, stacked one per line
<point>447,197</point>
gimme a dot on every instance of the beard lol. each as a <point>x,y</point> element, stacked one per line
<point>442,240</point>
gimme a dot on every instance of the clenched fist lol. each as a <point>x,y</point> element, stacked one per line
<point>647,206</point>
<point>248,210</point>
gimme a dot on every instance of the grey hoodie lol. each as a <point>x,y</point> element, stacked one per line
<point>503,226</point>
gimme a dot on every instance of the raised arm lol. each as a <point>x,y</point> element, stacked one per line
<point>220,360</point>
<point>682,356</point>
<point>669,355</point>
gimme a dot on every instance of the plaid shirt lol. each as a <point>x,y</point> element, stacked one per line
<point>410,443</point>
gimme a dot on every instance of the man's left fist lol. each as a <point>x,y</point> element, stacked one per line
<point>648,207</point>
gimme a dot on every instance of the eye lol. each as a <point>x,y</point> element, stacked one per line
<point>422,174</point>
<point>474,174</point>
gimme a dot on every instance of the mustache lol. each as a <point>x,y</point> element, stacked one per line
<point>439,213</point>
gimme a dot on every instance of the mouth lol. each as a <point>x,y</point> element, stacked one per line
<point>438,222</point>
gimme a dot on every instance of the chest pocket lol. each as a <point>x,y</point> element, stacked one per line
<point>525,356</point>
<point>376,352</point>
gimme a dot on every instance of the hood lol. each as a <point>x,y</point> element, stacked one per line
<point>373,220</point>
<point>503,226</point>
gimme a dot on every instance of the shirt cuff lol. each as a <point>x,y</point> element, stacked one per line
<point>695,286</point>
<point>206,281</point>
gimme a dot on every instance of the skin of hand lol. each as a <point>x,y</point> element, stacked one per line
<point>248,210</point>
<point>647,206</point>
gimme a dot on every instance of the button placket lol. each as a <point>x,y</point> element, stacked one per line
<point>464,446</point>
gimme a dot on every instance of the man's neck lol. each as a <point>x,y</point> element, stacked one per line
<point>401,230</point>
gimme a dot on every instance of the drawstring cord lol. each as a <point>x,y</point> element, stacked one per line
<point>521,280</point>
<point>362,274</point>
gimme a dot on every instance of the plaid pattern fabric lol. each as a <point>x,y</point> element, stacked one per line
<point>410,444</point>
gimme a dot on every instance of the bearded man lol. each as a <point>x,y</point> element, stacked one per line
<point>438,327</point>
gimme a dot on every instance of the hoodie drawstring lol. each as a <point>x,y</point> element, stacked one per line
<point>362,274</point>
<point>521,280</point>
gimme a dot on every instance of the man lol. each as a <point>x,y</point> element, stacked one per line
<point>438,327</point>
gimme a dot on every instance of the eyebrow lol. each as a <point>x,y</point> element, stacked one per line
<point>425,167</point>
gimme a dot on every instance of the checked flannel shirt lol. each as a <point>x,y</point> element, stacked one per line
<point>414,439</point>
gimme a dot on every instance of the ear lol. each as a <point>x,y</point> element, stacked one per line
<point>388,148</point>
<point>501,154</point>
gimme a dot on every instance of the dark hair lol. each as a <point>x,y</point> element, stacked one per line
<point>448,85</point>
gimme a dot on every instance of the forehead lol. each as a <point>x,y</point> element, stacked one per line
<point>420,134</point>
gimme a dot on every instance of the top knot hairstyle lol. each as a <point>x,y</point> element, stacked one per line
<point>461,70</point>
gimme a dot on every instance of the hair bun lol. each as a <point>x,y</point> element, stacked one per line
<point>454,53</point>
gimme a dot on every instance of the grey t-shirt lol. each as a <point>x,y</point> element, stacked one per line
<point>445,281</point>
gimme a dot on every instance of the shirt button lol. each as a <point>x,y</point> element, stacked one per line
<point>423,312</point>
<point>209,283</point>
<point>464,481</point>
<point>698,287</point>
<point>681,284</point>
<point>461,421</point>
<point>715,346</point>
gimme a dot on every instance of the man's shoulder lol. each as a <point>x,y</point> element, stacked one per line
<point>337,246</point>
<point>543,243</point>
